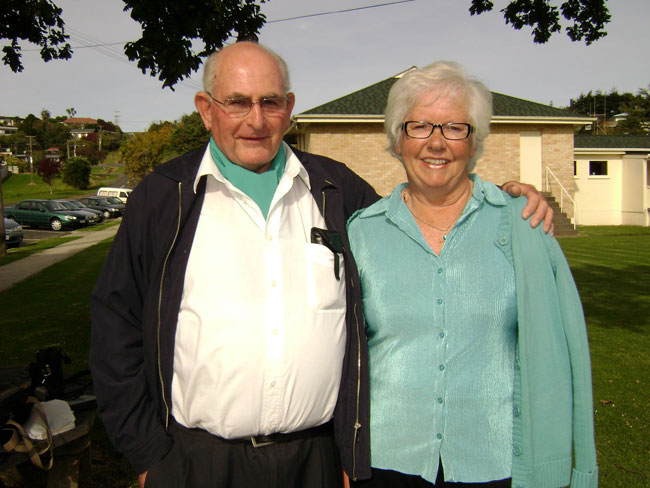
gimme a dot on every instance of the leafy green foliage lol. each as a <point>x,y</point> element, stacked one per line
<point>176,35</point>
<point>48,169</point>
<point>588,17</point>
<point>605,106</point>
<point>76,173</point>
<point>36,21</point>
<point>190,134</point>
<point>169,28</point>
<point>145,150</point>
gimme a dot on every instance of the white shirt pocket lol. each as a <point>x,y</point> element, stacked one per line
<point>324,291</point>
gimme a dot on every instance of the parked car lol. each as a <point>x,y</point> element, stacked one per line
<point>92,216</point>
<point>13,233</point>
<point>46,213</point>
<point>81,206</point>
<point>100,203</point>
<point>121,193</point>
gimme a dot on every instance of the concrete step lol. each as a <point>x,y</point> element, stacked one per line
<point>561,222</point>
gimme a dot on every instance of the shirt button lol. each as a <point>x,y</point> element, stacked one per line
<point>274,332</point>
<point>439,301</point>
<point>442,367</point>
<point>273,284</point>
<point>439,436</point>
<point>439,400</point>
<point>269,237</point>
<point>503,240</point>
<point>439,270</point>
<point>441,335</point>
<point>272,384</point>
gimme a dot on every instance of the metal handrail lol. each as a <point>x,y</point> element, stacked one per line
<point>563,192</point>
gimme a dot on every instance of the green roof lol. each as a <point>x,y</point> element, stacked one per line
<point>585,141</point>
<point>372,101</point>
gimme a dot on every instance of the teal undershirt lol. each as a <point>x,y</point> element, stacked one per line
<point>260,187</point>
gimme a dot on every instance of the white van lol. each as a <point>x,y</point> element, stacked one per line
<point>121,193</point>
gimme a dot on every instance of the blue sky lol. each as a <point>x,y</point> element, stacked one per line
<point>332,55</point>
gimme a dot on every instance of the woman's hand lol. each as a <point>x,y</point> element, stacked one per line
<point>537,205</point>
<point>142,478</point>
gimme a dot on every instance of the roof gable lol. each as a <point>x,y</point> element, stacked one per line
<point>372,101</point>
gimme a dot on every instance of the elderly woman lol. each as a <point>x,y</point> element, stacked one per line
<point>479,363</point>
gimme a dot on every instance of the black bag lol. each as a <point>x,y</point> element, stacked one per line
<point>47,371</point>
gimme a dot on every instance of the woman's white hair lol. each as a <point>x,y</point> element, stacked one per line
<point>211,69</point>
<point>447,80</point>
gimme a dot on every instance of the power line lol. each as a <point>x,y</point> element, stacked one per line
<point>338,11</point>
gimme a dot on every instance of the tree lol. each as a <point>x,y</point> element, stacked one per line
<point>190,134</point>
<point>588,16</point>
<point>637,120</point>
<point>76,173</point>
<point>48,169</point>
<point>171,29</point>
<point>71,112</point>
<point>36,21</point>
<point>145,150</point>
<point>605,105</point>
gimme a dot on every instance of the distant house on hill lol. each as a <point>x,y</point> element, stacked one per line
<point>53,153</point>
<point>612,179</point>
<point>8,125</point>
<point>529,142</point>
<point>80,126</point>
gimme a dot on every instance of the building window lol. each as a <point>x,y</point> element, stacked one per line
<point>575,168</point>
<point>597,168</point>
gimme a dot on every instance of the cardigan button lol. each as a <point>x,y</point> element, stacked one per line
<point>516,451</point>
<point>516,411</point>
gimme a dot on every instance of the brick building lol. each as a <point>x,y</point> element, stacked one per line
<point>529,141</point>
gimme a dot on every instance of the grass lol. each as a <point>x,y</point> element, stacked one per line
<point>18,187</point>
<point>611,266</point>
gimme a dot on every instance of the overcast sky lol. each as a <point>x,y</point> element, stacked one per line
<point>332,55</point>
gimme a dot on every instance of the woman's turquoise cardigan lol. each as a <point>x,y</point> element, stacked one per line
<point>553,406</point>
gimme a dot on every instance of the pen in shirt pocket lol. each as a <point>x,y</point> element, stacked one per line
<point>331,240</point>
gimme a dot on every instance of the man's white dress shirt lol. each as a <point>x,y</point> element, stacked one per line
<point>261,327</point>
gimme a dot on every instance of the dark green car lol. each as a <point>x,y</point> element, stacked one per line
<point>45,213</point>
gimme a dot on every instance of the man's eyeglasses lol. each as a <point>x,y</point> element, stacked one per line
<point>241,106</point>
<point>422,130</point>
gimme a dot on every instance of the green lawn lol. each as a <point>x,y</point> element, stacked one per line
<point>19,187</point>
<point>612,269</point>
<point>611,266</point>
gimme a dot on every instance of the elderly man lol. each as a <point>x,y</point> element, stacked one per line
<point>228,346</point>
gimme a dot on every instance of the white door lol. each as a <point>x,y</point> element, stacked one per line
<point>530,157</point>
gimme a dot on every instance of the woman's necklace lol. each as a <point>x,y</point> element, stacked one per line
<point>445,230</point>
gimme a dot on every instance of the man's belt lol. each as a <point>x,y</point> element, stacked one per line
<point>269,439</point>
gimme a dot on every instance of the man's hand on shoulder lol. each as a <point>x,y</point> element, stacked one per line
<point>537,206</point>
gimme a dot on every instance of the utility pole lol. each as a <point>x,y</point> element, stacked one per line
<point>31,161</point>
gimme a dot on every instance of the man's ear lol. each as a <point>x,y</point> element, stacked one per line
<point>292,101</point>
<point>203,104</point>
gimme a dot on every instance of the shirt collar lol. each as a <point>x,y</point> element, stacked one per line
<point>293,167</point>
<point>483,191</point>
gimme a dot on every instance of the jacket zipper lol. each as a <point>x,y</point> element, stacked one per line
<point>160,293</point>
<point>357,425</point>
